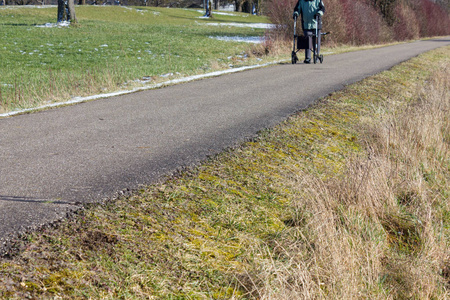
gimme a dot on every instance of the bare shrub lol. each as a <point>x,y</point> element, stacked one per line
<point>354,22</point>
<point>368,22</point>
<point>406,26</point>
<point>362,22</point>
<point>280,13</point>
<point>334,21</point>
<point>433,19</point>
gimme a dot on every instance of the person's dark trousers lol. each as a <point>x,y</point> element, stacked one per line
<point>66,6</point>
<point>310,34</point>
<point>61,7</point>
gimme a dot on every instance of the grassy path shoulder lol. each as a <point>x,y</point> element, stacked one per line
<point>346,199</point>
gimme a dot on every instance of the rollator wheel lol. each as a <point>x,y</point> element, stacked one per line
<point>321,58</point>
<point>294,58</point>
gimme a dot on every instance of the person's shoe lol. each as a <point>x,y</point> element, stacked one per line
<point>307,61</point>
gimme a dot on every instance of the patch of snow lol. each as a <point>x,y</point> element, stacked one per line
<point>223,13</point>
<point>166,75</point>
<point>25,6</point>
<point>220,13</point>
<point>54,25</point>
<point>250,25</point>
<point>247,39</point>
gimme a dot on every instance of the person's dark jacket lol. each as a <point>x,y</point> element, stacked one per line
<point>307,9</point>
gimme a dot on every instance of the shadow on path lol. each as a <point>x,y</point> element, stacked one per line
<point>32,200</point>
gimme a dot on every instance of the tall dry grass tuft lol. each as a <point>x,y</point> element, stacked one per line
<point>330,251</point>
<point>55,86</point>
<point>380,231</point>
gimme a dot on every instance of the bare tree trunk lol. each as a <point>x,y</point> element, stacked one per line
<point>73,18</point>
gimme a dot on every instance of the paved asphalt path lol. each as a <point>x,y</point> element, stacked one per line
<point>52,161</point>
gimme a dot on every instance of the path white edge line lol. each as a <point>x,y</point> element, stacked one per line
<point>149,87</point>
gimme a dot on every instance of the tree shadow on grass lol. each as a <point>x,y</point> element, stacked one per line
<point>18,25</point>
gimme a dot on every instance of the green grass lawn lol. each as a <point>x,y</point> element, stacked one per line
<point>109,49</point>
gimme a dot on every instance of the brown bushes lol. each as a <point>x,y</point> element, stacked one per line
<point>406,26</point>
<point>433,19</point>
<point>369,22</point>
<point>280,13</point>
<point>362,22</point>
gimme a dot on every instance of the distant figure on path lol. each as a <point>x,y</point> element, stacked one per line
<point>63,7</point>
<point>309,10</point>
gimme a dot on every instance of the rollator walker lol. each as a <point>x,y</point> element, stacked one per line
<point>308,42</point>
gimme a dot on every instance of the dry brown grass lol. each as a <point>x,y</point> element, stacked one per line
<point>378,230</point>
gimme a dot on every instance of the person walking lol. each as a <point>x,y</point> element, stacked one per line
<point>311,12</point>
<point>63,11</point>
